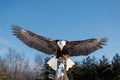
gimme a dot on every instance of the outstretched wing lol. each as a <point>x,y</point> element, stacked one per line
<point>35,41</point>
<point>84,47</point>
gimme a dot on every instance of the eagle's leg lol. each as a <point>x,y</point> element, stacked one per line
<point>61,73</point>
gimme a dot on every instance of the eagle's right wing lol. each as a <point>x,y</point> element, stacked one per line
<point>35,41</point>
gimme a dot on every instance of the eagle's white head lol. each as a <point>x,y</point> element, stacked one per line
<point>61,44</point>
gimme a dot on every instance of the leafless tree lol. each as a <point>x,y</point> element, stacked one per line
<point>38,66</point>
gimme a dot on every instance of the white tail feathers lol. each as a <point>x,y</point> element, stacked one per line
<point>53,63</point>
<point>69,64</point>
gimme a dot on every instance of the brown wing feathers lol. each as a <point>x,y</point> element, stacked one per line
<point>33,40</point>
<point>49,46</point>
<point>85,47</point>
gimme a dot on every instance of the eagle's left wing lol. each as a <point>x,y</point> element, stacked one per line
<point>84,47</point>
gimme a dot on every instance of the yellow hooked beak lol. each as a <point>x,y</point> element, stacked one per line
<point>61,48</point>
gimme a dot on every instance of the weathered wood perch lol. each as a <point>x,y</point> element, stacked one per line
<point>61,65</point>
<point>61,73</point>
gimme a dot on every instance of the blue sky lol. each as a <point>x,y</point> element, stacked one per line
<point>61,19</point>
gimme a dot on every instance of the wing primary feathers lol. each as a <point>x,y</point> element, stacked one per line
<point>85,47</point>
<point>102,41</point>
<point>35,41</point>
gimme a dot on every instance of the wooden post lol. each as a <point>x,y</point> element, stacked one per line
<point>61,73</point>
<point>61,65</point>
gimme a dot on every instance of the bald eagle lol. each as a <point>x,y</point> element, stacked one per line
<point>59,48</point>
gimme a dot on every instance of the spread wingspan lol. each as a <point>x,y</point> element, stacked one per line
<point>49,46</point>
